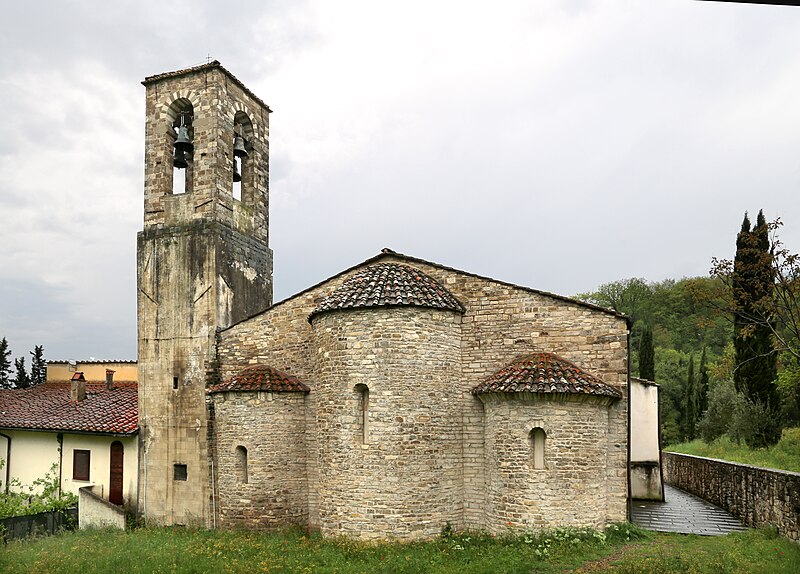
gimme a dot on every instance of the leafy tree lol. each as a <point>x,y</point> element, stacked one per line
<point>671,366</point>
<point>38,365</point>
<point>752,281</point>
<point>627,296</point>
<point>647,366</point>
<point>22,380</point>
<point>723,403</point>
<point>5,365</point>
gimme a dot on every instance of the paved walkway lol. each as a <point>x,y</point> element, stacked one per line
<point>684,513</point>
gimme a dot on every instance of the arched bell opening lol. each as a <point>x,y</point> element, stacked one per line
<point>180,138</point>
<point>242,158</point>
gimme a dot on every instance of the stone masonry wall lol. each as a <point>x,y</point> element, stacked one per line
<point>203,261</point>
<point>570,489</point>
<point>281,337</point>
<point>271,426</point>
<point>501,322</point>
<point>757,496</point>
<point>405,479</point>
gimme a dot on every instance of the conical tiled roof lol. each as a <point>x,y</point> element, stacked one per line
<point>389,284</point>
<point>261,378</point>
<point>544,373</point>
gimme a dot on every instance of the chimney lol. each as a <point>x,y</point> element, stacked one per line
<point>109,379</point>
<point>77,391</point>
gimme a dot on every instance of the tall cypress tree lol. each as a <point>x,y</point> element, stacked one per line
<point>22,380</point>
<point>647,363</point>
<point>38,365</point>
<point>5,365</point>
<point>690,399</point>
<point>702,387</point>
<point>753,282</point>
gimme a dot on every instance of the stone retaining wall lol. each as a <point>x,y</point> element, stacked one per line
<point>757,496</point>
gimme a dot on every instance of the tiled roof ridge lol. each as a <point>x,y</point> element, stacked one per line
<point>47,407</point>
<point>202,67</point>
<point>260,378</point>
<point>388,253</point>
<point>389,285</point>
<point>544,372</point>
<point>92,361</point>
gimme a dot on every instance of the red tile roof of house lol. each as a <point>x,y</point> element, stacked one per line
<point>48,407</point>
<point>261,378</point>
<point>388,285</point>
<point>544,373</point>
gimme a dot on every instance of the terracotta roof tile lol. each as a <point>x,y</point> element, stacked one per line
<point>48,407</point>
<point>389,284</point>
<point>261,378</point>
<point>544,373</point>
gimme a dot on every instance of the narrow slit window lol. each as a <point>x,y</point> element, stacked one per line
<point>362,415</point>
<point>241,464</point>
<point>537,439</point>
<point>174,382</point>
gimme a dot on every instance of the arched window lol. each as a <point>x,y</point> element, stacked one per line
<point>242,156</point>
<point>537,438</point>
<point>362,415</point>
<point>181,158</point>
<point>241,464</point>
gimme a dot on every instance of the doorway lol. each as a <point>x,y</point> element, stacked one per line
<point>115,482</point>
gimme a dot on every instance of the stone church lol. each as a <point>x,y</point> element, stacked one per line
<point>386,401</point>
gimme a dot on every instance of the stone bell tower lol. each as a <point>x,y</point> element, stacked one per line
<point>203,262</point>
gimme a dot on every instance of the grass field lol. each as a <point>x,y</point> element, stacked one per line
<point>622,548</point>
<point>785,455</point>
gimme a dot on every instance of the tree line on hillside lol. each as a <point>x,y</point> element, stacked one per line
<point>21,378</point>
<point>725,349</point>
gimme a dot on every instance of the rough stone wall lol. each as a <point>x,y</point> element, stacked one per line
<point>202,262</point>
<point>281,337</point>
<point>271,426</point>
<point>405,480</point>
<point>501,322</point>
<point>757,496</point>
<point>569,490</point>
<point>215,99</point>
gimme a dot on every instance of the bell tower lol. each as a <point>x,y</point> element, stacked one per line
<point>203,263</point>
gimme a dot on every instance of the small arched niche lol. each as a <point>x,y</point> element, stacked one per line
<point>537,439</point>
<point>241,464</point>
<point>242,166</point>
<point>180,113</point>
<point>362,414</point>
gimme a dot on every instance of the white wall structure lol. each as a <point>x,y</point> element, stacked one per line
<point>87,441</point>
<point>645,441</point>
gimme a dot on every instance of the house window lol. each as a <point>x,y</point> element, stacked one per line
<point>179,472</point>
<point>241,464</point>
<point>537,438</point>
<point>80,464</point>
<point>362,416</point>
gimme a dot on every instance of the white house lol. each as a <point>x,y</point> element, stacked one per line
<point>85,432</point>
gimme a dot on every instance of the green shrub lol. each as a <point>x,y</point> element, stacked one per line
<point>755,424</point>
<point>723,402</point>
<point>43,495</point>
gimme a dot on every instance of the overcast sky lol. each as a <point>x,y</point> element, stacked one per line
<point>554,144</point>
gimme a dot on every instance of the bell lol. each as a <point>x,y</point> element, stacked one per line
<point>183,142</point>
<point>179,159</point>
<point>236,175</point>
<point>238,147</point>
